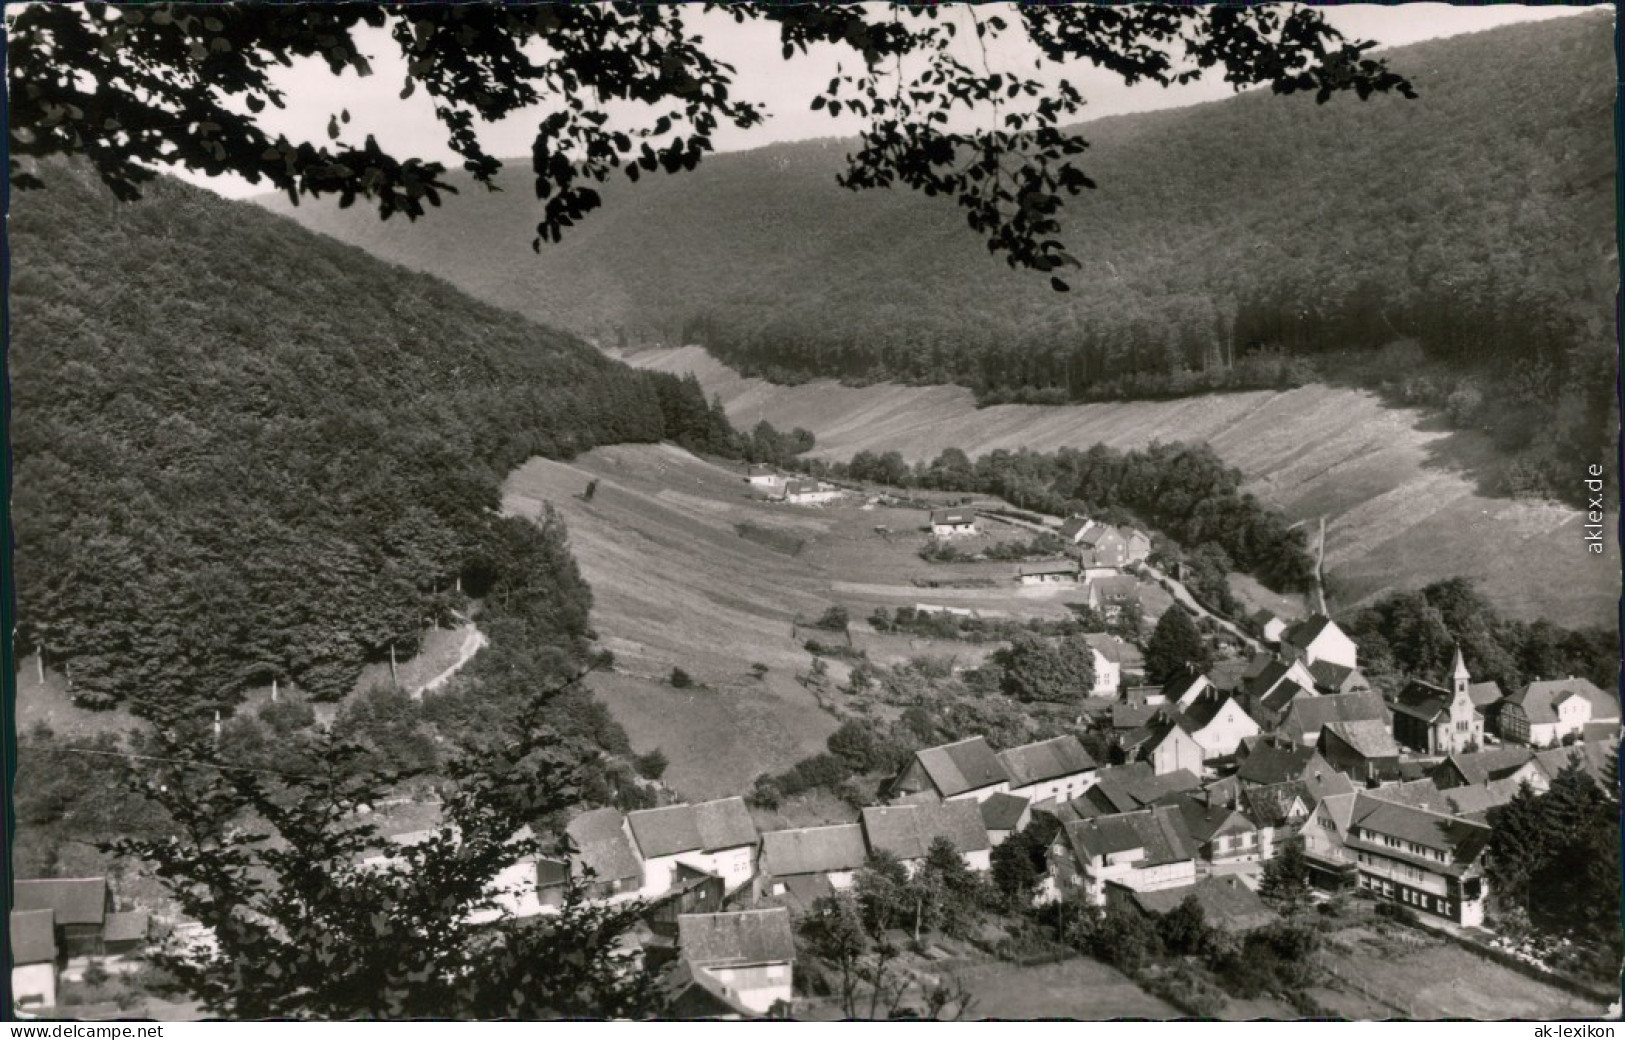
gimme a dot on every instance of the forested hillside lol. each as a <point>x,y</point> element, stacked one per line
<point>243,451</point>
<point>1256,242</point>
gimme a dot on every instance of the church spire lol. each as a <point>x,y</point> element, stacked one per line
<point>1458,667</point>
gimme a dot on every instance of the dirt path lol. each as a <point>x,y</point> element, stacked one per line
<point>472,642</point>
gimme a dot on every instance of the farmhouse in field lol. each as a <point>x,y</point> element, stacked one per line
<point>953,523</point>
<point>810,493</point>
<point>1055,572</point>
<point>1546,712</point>
<point>1114,597</point>
<point>761,475</point>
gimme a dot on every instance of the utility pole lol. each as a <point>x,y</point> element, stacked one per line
<point>1320,567</point>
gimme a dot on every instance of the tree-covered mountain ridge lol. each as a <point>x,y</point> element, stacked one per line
<point>1254,242</point>
<point>247,452</point>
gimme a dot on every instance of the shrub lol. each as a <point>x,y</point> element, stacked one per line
<point>680,679</point>
<point>835,619</point>
<point>652,765</point>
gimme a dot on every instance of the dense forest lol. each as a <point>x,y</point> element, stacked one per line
<point>244,452</point>
<point>1256,242</point>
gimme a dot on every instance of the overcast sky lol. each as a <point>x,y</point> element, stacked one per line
<point>785,89</point>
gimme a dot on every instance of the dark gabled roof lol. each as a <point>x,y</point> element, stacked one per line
<point>1330,676</point>
<point>907,831</point>
<point>967,765</point>
<point>743,937</point>
<point>1311,714</point>
<point>1264,679</point>
<point>1160,831</point>
<point>1270,805</point>
<point>1003,812</point>
<point>1539,699</point>
<point>1073,526</point>
<point>1423,700</point>
<point>695,994</point>
<point>1227,903</point>
<point>1462,840</point>
<point>706,826</point>
<point>1595,731</point>
<point>1417,794</point>
<point>953,516</point>
<point>1206,708</point>
<point>603,847</point>
<point>813,850</point>
<point>1116,586</point>
<point>1135,785</point>
<point>33,937</point>
<point>129,926</point>
<point>1591,756</point>
<point>1307,631</point>
<point>1105,645</point>
<point>1481,767</point>
<point>1181,684</point>
<point>1368,738</point>
<point>75,900</point>
<point>1476,802</point>
<point>1132,716</point>
<point>1045,760</point>
<point>1273,764</point>
<point>1204,820</point>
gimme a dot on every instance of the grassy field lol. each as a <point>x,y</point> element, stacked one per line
<point>1080,988</point>
<point>676,584</point>
<point>1432,979</point>
<point>1402,497</point>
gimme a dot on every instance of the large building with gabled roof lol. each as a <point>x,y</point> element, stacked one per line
<point>964,769</point>
<point>1429,861</point>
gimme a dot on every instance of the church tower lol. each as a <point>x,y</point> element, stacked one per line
<point>1459,679</point>
<point>1466,729</point>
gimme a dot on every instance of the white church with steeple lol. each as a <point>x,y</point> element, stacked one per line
<point>1435,720</point>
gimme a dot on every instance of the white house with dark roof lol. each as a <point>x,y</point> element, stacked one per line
<point>1547,711</point>
<point>749,955</point>
<point>809,862</point>
<point>716,837</point>
<point>810,492</point>
<point>33,959</point>
<point>953,523</point>
<point>908,831</point>
<point>1318,638</point>
<point>763,476</point>
<point>1108,662</point>
<point>964,769</point>
<point>1049,769</point>
<point>1054,572</point>
<point>1426,860</point>
<point>1144,850</point>
<point>1218,723</point>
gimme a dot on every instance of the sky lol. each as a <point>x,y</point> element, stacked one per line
<point>785,89</point>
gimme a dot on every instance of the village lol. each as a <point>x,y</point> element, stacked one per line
<point>1157,795</point>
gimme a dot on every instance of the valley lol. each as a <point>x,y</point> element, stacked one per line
<point>1403,504</point>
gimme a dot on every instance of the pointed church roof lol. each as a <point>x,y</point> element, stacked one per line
<point>1458,667</point>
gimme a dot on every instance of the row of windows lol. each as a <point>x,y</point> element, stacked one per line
<point>1399,843</point>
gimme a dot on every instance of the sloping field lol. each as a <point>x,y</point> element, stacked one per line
<point>1402,500</point>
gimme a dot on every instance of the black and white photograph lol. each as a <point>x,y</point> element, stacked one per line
<point>818,512</point>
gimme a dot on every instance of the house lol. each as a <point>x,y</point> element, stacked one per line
<point>693,891</point>
<point>1591,756</point>
<point>1515,762</point>
<point>1426,860</point>
<point>33,959</point>
<point>1220,833</point>
<point>748,955</point>
<point>1103,546</point>
<point>1331,865</point>
<point>1227,903</point>
<point>604,858</point>
<point>964,769</point>
<point>1144,850</point>
<point>1058,768</point>
<point>1278,811</point>
<point>763,476</point>
<point>1332,678</point>
<point>1114,597</point>
<point>126,932</point>
<point>1434,720</point>
<point>1360,750</point>
<point>810,492</point>
<point>1126,718</point>
<point>716,837</point>
<point>1306,716</point>
<point>1124,788</point>
<point>1318,638</point>
<point>1074,527</point>
<point>1108,662</point>
<point>1265,672</point>
<point>810,862</point>
<point>1217,722</point>
<point>1269,625</point>
<point>1269,710</point>
<point>1277,761</point>
<point>1183,689</point>
<point>908,831</point>
<point>1056,572</point>
<point>1138,543</point>
<point>1543,713</point>
<point>1476,803</point>
<point>952,523</point>
<point>1004,815</point>
<point>1168,745</point>
<point>81,906</point>
<point>1144,696</point>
